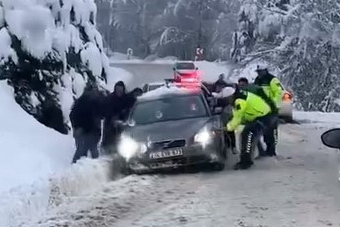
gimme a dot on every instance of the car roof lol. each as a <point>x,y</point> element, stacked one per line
<point>168,92</point>
<point>178,62</point>
<point>156,83</point>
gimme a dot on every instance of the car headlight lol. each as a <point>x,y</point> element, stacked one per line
<point>128,147</point>
<point>204,136</point>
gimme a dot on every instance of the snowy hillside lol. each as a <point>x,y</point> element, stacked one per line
<point>50,50</point>
<point>35,161</point>
<point>29,148</point>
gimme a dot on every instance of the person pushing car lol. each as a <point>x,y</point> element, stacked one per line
<point>273,90</point>
<point>252,111</point>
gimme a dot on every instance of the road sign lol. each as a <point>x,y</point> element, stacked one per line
<point>129,53</point>
<point>199,56</point>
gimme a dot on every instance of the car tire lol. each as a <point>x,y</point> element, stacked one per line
<point>288,119</point>
<point>126,171</point>
<point>218,166</point>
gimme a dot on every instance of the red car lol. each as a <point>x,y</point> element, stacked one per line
<point>186,73</point>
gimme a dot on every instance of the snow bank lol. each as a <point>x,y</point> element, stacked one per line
<point>31,154</point>
<point>211,70</point>
<point>317,118</point>
<point>6,51</point>
<point>29,147</point>
<point>117,56</point>
<point>107,205</point>
<point>122,57</point>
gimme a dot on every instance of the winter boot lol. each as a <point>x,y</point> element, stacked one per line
<point>271,151</point>
<point>244,163</point>
<point>243,166</point>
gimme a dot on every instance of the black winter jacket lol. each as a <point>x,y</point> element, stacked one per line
<point>87,112</point>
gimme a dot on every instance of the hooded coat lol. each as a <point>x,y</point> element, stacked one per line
<point>116,106</point>
<point>87,111</point>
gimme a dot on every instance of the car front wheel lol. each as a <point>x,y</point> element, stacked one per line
<point>218,166</point>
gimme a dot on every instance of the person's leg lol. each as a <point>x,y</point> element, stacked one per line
<point>231,140</point>
<point>276,130</point>
<point>248,135</point>
<point>106,134</point>
<point>81,148</point>
<point>262,150</point>
<point>93,140</point>
<point>270,132</point>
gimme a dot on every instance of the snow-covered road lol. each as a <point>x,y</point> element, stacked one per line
<point>300,188</point>
<point>146,72</point>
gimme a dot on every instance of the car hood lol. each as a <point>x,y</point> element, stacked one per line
<point>179,129</point>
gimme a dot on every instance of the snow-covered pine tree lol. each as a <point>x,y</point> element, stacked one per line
<point>301,39</point>
<point>135,25</point>
<point>243,39</point>
<point>50,50</point>
<point>192,23</point>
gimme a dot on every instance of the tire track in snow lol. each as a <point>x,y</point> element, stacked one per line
<point>298,191</point>
<point>121,199</point>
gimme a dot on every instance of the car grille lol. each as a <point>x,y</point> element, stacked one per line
<point>168,144</point>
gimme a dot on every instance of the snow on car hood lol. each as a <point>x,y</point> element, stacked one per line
<point>180,129</point>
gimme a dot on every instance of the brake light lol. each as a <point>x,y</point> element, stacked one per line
<point>287,97</point>
<point>189,83</point>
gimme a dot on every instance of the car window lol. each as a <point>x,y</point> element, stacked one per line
<point>168,109</point>
<point>185,65</point>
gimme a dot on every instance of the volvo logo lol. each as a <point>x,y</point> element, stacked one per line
<point>165,145</point>
<point>149,142</point>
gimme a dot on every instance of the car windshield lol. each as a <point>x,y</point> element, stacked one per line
<point>169,109</point>
<point>185,65</point>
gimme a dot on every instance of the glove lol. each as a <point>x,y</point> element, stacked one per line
<point>239,129</point>
<point>77,132</point>
<point>226,129</point>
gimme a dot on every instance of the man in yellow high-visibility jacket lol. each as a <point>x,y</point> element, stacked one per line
<point>253,112</point>
<point>273,92</point>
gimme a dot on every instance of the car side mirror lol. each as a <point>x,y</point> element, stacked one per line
<point>331,138</point>
<point>174,69</point>
<point>130,122</point>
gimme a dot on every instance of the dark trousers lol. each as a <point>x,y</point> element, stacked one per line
<point>226,117</point>
<point>270,134</point>
<point>111,136</point>
<point>231,139</point>
<point>86,142</point>
<point>251,134</point>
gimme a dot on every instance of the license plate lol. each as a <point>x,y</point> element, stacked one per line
<point>166,153</point>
